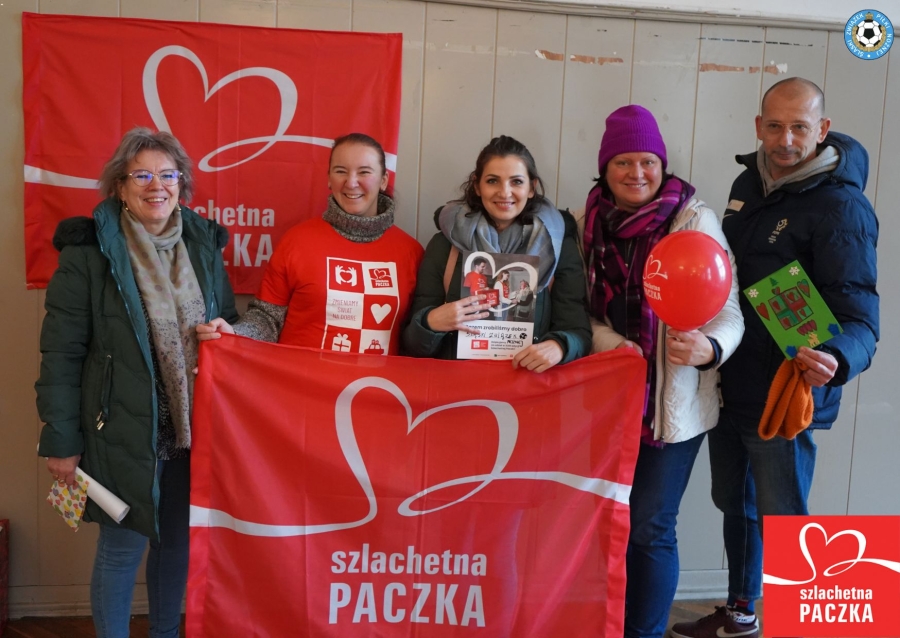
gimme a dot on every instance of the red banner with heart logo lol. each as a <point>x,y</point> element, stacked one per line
<point>348,495</point>
<point>832,576</point>
<point>256,109</point>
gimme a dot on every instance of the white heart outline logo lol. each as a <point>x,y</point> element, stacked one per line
<point>652,262</point>
<point>380,311</point>
<point>829,571</point>
<point>286,88</point>
<point>532,272</point>
<point>508,429</point>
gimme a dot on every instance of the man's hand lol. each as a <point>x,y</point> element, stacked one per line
<point>821,366</point>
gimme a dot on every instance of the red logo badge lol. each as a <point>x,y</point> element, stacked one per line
<point>345,275</point>
<point>832,575</point>
<point>381,278</point>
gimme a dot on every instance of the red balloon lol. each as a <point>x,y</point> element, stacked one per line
<point>687,279</point>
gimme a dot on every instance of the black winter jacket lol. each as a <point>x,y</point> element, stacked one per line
<point>827,224</point>
<point>560,314</point>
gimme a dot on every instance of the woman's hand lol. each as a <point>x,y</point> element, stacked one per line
<point>63,469</point>
<point>539,356</point>
<point>690,348</point>
<point>821,366</point>
<point>213,329</point>
<point>454,315</point>
<point>632,345</point>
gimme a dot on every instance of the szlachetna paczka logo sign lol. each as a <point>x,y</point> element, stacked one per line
<point>832,575</point>
<point>869,34</point>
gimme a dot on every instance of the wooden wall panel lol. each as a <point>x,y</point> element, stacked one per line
<point>183,10</point>
<point>854,99</point>
<point>793,53</point>
<point>253,13</point>
<point>18,420</point>
<point>457,102</point>
<point>875,470</point>
<point>103,8</point>
<point>727,104</point>
<point>408,18</point>
<point>324,15</point>
<point>862,120</point>
<point>528,86</point>
<point>597,82</point>
<point>664,80</point>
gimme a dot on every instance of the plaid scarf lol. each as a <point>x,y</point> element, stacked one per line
<point>610,276</point>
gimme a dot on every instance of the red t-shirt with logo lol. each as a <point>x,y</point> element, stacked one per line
<point>474,281</point>
<point>342,295</point>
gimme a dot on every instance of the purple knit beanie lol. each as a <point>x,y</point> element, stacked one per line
<point>631,129</point>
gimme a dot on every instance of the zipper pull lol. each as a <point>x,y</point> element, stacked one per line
<point>100,421</point>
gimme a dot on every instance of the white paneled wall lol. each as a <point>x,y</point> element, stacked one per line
<point>549,79</point>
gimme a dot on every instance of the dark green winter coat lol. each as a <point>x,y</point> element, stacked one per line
<point>97,364</point>
<point>560,313</point>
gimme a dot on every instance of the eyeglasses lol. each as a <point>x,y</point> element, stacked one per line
<point>798,130</point>
<point>169,177</point>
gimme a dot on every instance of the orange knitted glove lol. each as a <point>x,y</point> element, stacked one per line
<point>789,406</point>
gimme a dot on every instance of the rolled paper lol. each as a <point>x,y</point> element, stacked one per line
<point>106,500</point>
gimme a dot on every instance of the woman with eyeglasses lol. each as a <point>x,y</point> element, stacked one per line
<point>342,281</point>
<point>116,382</point>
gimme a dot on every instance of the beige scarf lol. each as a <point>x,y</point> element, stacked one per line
<point>174,302</point>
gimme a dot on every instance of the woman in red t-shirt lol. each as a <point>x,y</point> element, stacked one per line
<point>342,281</point>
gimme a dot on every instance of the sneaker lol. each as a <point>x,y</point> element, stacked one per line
<point>725,623</point>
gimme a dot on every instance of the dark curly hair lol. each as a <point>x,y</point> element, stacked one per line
<point>503,146</point>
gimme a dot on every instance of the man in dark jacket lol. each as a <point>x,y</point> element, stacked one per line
<point>800,197</point>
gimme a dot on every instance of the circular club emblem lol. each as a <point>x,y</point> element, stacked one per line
<point>869,34</point>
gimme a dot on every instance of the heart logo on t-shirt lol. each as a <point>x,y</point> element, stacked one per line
<point>380,311</point>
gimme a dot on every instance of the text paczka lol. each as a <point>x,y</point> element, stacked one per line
<point>830,613</point>
<point>242,216</point>
<point>396,601</point>
<point>424,501</point>
<point>425,601</point>
<point>821,571</point>
<point>246,103</point>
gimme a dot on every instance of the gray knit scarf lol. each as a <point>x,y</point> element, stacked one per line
<point>174,302</point>
<point>542,238</point>
<point>357,228</point>
<point>826,161</point>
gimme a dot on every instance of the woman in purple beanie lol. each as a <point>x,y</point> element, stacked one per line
<point>634,204</point>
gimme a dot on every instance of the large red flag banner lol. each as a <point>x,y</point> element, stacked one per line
<point>256,109</point>
<point>349,495</point>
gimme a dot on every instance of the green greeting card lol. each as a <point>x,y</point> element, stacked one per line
<point>792,309</point>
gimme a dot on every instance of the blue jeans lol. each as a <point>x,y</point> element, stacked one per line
<point>752,478</point>
<point>660,478</point>
<point>119,553</point>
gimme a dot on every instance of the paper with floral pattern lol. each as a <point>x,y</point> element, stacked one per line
<point>69,502</point>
